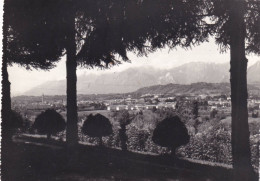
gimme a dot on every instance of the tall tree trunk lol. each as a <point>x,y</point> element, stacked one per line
<point>72,115</point>
<point>6,141</point>
<point>240,130</point>
<point>6,91</point>
<point>71,65</point>
<point>6,98</point>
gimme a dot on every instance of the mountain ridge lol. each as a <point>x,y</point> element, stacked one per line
<point>193,89</point>
<point>135,78</point>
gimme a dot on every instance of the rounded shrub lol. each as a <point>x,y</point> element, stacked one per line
<point>49,122</point>
<point>16,120</point>
<point>97,126</point>
<point>171,133</point>
<point>11,125</point>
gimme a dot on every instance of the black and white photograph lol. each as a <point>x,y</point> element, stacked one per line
<point>130,90</point>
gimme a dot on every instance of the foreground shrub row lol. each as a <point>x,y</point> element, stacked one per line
<point>210,140</point>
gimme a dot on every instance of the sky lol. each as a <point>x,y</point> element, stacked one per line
<point>23,80</point>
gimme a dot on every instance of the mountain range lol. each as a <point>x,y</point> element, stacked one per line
<point>135,78</point>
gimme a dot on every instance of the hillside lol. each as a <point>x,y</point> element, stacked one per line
<point>193,89</point>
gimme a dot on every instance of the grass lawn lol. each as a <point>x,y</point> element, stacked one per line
<point>40,159</point>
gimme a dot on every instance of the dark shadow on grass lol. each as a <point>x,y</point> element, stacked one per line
<point>42,159</point>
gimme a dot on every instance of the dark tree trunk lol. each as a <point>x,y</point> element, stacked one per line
<point>6,142</point>
<point>238,79</point>
<point>6,91</point>
<point>72,115</point>
<point>196,125</point>
<point>100,141</point>
<point>173,151</point>
<point>71,65</point>
<point>6,100</point>
<point>48,136</point>
<point>123,137</point>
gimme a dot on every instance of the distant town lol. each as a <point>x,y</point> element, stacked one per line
<point>30,105</point>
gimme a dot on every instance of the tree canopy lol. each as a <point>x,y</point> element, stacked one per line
<point>35,32</point>
<point>114,28</point>
<point>218,13</point>
<point>104,29</point>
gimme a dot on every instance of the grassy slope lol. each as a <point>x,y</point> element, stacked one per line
<point>46,160</point>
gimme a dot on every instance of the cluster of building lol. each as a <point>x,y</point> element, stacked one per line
<point>130,102</point>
